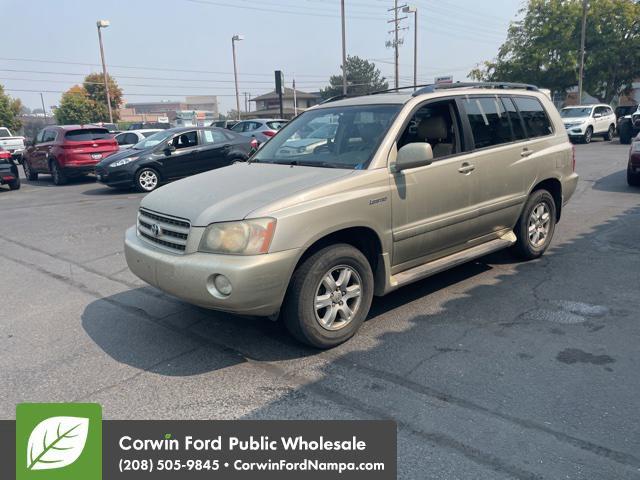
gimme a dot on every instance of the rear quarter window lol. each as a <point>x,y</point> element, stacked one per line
<point>276,125</point>
<point>87,134</point>
<point>534,116</point>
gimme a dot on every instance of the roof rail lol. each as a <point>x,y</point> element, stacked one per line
<point>499,85</point>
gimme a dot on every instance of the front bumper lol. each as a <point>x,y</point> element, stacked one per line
<point>119,177</point>
<point>259,281</point>
<point>577,131</point>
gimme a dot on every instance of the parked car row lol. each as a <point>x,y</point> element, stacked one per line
<point>583,122</point>
<point>10,143</point>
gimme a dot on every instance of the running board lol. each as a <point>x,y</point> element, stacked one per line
<point>436,266</point>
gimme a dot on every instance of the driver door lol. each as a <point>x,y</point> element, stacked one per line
<point>182,161</point>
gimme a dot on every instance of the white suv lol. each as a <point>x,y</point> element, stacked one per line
<point>584,121</point>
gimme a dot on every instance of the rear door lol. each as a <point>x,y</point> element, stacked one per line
<point>215,150</point>
<point>185,160</point>
<point>501,162</point>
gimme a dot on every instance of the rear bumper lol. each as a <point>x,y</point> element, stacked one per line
<point>569,185</point>
<point>76,170</point>
<point>259,281</point>
<point>8,174</point>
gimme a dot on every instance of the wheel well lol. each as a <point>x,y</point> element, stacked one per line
<point>363,238</point>
<point>554,187</point>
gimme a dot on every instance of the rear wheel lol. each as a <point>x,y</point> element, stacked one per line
<point>536,225</point>
<point>588,135</point>
<point>147,180</point>
<point>610,133</point>
<point>329,296</point>
<point>28,171</point>
<point>59,178</point>
<point>625,134</point>
<point>633,179</point>
<point>15,185</point>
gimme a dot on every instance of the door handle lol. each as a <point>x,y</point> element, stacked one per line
<point>466,168</point>
<point>526,152</point>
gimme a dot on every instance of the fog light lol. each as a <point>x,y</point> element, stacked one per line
<point>223,285</point>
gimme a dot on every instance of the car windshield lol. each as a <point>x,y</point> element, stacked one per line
<point>349,138</point>
<point>4,132</point>
<point>153,140</point>
<point>576,112</point>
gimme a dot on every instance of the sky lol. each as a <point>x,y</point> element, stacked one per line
<point>167,49</point>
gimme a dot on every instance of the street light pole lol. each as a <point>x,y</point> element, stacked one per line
<point>414,10</point>
<point>344,50</point>
<point>234,39</point>
<point>582,52</point>
<point>104,24</point>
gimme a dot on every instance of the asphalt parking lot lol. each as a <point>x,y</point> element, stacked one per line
<point>496,369</point>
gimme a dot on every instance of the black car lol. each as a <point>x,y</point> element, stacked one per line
<point>628,122</point>
<point>9,170</point>
<point>172,154</point>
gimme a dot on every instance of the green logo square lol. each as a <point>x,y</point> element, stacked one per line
<point>56,441</point>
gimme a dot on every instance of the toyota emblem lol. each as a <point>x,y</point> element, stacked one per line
<point>156,230</point>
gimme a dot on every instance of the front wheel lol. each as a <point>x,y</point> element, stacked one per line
<point>147,180</point>
<point>329,296</point>
<point>28,171</point>
<point>588,135</point>
<point>536,225</point>
<point>610,133</point>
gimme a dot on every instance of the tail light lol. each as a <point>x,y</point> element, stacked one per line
<point>573,157</point>
<point>5,155</point>
<point>254,143</point>
<point>269,133</point>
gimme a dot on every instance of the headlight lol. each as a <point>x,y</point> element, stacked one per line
<point>247,237</point>
<point>124,161</point>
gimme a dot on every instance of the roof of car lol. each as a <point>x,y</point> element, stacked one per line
<point>76,127</point>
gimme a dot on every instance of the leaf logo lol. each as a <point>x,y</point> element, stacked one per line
<point>56,442</point>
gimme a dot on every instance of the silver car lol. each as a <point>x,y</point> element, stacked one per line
<point>129,138</point>
<point>262,129</point>
<point>408,185</point>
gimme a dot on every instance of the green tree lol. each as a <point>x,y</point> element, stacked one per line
<point>362,77</point>
<point>94,86</point>
<point>10,109</point>
<point>543,47</point>
<point>76,107</point>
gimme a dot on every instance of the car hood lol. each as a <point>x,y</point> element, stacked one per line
<point>233,192</point>
<point>126,153</point>
<point>574,119</point>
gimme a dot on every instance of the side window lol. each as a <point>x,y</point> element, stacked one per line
<point>251,126</point>
<point>49,136</point>
<point>516,121</point>
<point>238,127</point>
<point>40,136</point>
<point>489,121</point>
<point>535,118</point>
<point>435,123</point>
<point>130,139</point>
<point>213,137</point>
<point>186,140</point>
<point>120,139</point>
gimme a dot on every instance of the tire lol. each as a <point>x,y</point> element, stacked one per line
<point>539,203</point>
<point>28,171</point>
<point>58,177</point>
<point>633,179</point>
<point>314,326</point>
<point>625,135</point>
<point>588,135</point>
<point>610,133</point>
<point>145,180</point>
<point>15,185</point>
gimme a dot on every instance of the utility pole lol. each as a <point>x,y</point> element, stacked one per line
<point>44,110</point>
<point>234,39</point>
<point>295,98</point>
<point>344,50</point>
<point>414,10</point>
<point>246,102</point>
<point>104,24</point>
<point>395,43</point>
<point>582,51</point>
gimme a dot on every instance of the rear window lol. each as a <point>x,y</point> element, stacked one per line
<point>276,125</point>
<point>87,134</point>
<point>535,118</point>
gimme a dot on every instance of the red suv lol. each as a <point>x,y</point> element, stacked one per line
<point>67,151</point>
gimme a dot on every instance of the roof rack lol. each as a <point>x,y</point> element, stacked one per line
<point>499,85</point>
<point>432,87</point>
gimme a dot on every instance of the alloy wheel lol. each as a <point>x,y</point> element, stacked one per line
<point>148,180</point>
<point>338,297</point>
<point>539,225</point>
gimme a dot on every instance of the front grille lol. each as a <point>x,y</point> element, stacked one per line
<point>171,233</point>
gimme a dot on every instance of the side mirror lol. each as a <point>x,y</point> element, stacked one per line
<point>169,149</point>
<point>413,155</point>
